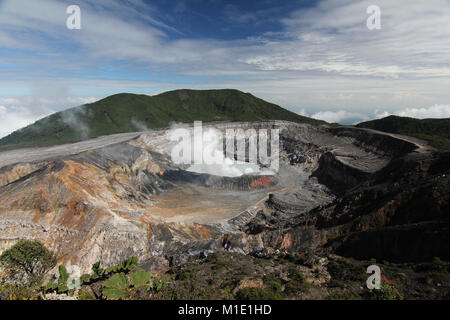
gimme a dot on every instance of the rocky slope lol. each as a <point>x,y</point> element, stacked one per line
<point>352,191</point>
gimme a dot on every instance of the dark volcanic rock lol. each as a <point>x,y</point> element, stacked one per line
<point>401,213</point>
<point>403,243</point>
<point>336,175</point>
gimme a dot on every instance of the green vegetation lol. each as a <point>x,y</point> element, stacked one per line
<point>297,283</point>
<point>217,261</point>
<point>438,265</point>
<point>387,292</point>
<point>27,261</point>
<point>257,294</point>
<point>116,282</point>
<point>436,273</point>
<point>130,112</point>
<point>225,275</point>
<point>116,287</point>
<point>273,283</point>
<point>121,286</point>
<point>98,273</point>
<point>61,286</point>
<point>345,269</point>
<point>244,278</point>
<point>62,280</point>
<point>435,131</point>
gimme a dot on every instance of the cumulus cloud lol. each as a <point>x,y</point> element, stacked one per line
<point>19,112</point>
<point>322,58</point>
<point>16,117</point>
<point>438,111</point>
<point>340,116</point>
<point>313,39</point>
<point>381,114</point>
<point>332,37</point>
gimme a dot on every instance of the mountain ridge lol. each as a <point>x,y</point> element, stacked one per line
<point>435,131</point>
<point>127,112</point>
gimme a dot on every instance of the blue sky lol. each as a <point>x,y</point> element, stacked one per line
<point>316,58</point>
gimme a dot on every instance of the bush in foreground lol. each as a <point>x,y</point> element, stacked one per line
<point>27,261</point>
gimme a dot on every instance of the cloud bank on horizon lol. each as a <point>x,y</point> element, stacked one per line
<point>316,58</point>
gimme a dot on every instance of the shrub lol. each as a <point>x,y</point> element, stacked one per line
<point>438,265</point>
<point>296,275</point>
<point>85,279</point>
<point>125,266</point>
<point>98,273</point>
<point>86,294</point>
<point>62,280</point>
<point>437,277</point>
<point>244,271</point>
<point>346,270</point>
<point>61,286</point>
<point>185,275</point>
<point>217,261</point>
<point>28,260</point>
<point>120,285</point>
<point>115,287</point>
<point>257,294</point>
<point>19,292</point>
<point>273,282</point>
<point>386,292</point>
<point>297,283</point>
<point>140,278</point>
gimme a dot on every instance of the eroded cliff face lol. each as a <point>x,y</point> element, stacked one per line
<point>111,201</point>
<point>400,213</point>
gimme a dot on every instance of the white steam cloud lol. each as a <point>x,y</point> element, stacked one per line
<point>205,152</point>
<point>140,126</point>
<point>74,119</point>
<point>212,150</point>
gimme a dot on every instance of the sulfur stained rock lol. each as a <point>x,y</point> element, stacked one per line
<point>112,198</point>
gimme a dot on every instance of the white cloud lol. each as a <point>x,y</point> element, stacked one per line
<point>324,59</point>
<point>13,118</point>
<point>437,111</point>
<point>332,37</point>
<point>380,115</point>
<point>345,117</point>
<point>19,112</point>
<point>9,101</point>
<point>340,116</point>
